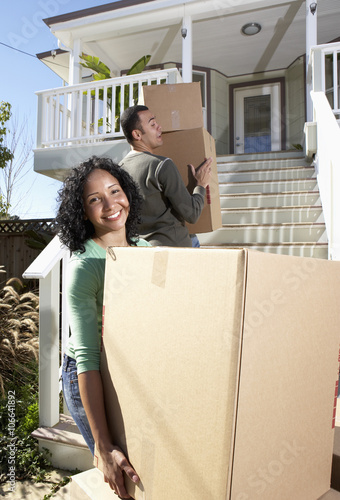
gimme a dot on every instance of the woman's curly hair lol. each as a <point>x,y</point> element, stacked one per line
<point>73,229</point>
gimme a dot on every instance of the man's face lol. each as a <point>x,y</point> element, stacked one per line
<point>150,133</point>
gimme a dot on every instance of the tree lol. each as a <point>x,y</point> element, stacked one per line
<point>20,143</point>
<point>5,114</point>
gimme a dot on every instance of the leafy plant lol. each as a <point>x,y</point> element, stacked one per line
<point>103,72</point>
<point>37,239</point>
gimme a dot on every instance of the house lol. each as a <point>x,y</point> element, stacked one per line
<point>269,77</point>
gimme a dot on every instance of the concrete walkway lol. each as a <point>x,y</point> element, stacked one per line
<point>29,490</point>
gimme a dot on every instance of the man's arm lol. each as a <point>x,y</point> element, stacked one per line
<point>114,461</point>
<point>186,205</point>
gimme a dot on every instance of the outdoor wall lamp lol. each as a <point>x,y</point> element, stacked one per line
<point>313,7</point>
<point>251,29</point>
<point>184,32</point>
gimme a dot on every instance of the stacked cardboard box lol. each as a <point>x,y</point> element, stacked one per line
<point>219,370</point>
<point>178,109</point>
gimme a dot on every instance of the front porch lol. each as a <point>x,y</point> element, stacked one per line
<point>73,125</point>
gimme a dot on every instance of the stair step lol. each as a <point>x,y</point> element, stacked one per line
<point>302,249</point>
<point>66,444</point>
<point>231,166</point>
<point>263,200</point>
<point>266,174</point>
<point>269,202</point>
<point>272,215</point>
<point>269,155</point>
<point>90,485</point>
<point>285,186</point>
<point>265,233</point>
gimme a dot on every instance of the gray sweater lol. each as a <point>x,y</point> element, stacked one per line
<point>167,203</point>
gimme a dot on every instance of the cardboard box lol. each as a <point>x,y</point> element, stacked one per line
<point>186,147</point>
<point>219,370</point>
<point>176,106</point>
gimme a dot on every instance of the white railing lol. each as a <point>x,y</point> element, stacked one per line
<point>53,326</point>
<point>89,112</point>
<point>324,72</point>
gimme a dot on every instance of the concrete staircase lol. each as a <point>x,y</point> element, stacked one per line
<point>270,202</point>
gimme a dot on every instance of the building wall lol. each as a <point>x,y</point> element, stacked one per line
<point>295,102</point>
<point>219,111</point>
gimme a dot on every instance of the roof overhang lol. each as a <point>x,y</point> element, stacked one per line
<point>119,33</point>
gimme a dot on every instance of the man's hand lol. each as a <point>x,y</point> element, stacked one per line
<point>114,464</point>
<point>202,173</point>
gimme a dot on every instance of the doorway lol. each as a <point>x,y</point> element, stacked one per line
<point>257,118</point>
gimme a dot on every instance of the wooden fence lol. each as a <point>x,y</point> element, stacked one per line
<point>15,254</point>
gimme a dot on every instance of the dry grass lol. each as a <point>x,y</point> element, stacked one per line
<point>19,323</point>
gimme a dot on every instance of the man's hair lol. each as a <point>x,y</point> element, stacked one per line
<point>73,229</point>
<point>130,121</point>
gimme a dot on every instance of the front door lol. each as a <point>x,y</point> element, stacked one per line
<point>257,119</point>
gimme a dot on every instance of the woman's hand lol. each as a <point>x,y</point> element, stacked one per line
<point>114,464</point>
<point>113,461</point>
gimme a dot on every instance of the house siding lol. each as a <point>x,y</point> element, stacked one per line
<point>219,112</point>
<point>295,103</point>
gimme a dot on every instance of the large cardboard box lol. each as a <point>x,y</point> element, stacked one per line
<point>192,146</point>
<point>219,370</point>
<point>176,106</point>
<point>178,109</point>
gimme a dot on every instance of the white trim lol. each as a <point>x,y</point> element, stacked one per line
<point>46,260</point>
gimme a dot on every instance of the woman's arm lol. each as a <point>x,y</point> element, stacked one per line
<point>114,461</point>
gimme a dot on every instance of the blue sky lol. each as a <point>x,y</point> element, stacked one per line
<point>21,27</point>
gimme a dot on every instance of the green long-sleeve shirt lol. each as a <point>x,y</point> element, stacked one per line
<point>167,203</point>
<point>84,294</point>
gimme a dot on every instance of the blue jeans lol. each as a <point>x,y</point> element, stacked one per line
<point>195,242</point>
<point>73,400</point>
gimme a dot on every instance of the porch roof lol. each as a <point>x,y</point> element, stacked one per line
<point>121,32</point>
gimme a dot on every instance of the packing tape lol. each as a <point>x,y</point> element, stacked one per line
<point>159,268</point>
<point>175,120</point>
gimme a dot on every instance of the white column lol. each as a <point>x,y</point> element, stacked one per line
<point>311,40</point>
<point>75,68</point>
<point>187,49</point>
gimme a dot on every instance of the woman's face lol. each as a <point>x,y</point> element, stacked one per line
<point>105,203</point>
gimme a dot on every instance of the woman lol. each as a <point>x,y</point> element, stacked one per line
<point>99,207</point>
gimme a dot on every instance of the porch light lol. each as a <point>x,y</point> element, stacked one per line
<point>251,29</point>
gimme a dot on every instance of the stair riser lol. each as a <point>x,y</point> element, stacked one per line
<point>270,187</point>
<point>261,165</point>
<point>272,216</point>
<point>266,175</point>
<point>318,252</point>
<point>263,201</point>
<point>280,234</point>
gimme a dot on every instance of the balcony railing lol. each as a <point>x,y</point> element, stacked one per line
<point>90,112</point>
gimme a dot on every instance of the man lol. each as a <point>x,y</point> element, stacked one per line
<point>167,203</point>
